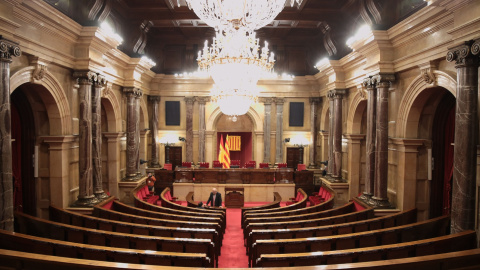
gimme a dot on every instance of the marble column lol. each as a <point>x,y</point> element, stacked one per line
<point>337,133</point>
<point>86,197</point>
<point>189,129</point>
<point>279,131</point>
<point>466,136</point>
<point>137,134</point>
<point>133,133</point>
<point>331,160</point>
<point>8,49</point>
<point>380,195</point>
<point>370,139</point>
<point>313,130</point>
<point>97,137</point>
<point>201,127</point>
<point>154,126</point>
<point>267,102</point>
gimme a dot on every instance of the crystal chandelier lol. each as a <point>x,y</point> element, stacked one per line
<point>236,64</point>
<point>247,14</point>
<point>234,60</point>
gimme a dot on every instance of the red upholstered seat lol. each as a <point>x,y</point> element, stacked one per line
<point>301,167</point>
<point>187,164</point>
<point>204,164</point>
<point>167,166</point>
<point>298,198</point>
<point>263,165</point>
<point>217,164</point>
<point>251,164</point>
<point>282,165</point>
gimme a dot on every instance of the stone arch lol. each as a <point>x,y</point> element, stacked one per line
<point>56,103</point>
<point>407,121</point>
<point>357,109</point>
<point>112,107</point>
<point>256,119</point>
<point>324,116</point>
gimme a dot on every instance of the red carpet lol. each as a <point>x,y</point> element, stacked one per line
<point>233,251</point>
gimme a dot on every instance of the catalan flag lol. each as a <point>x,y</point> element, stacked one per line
<point>221,151</point>
<point>226,157</point>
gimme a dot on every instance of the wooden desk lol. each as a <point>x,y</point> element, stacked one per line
<point>234,197</point>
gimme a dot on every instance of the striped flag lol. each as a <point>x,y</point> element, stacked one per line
<point>221,151</point>
<point>226,158</point>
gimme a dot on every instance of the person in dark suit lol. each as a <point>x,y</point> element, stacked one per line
<point>215,198</point>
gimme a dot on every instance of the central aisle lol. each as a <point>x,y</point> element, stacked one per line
<point>233,251</point>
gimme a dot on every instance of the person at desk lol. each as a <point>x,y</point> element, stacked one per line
<point>215,198</point>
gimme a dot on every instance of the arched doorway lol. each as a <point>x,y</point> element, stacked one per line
<point>419,115</point>
<point>442,155</point>
<point>23,143</point>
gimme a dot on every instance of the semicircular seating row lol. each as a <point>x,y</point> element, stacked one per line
<point>161,234</point>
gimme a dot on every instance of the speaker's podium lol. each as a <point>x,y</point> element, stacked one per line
<point>234,197</point>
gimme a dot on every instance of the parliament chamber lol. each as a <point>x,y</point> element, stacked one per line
<point>125,121</point>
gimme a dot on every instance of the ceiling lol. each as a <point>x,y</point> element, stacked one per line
<point>299,36</point>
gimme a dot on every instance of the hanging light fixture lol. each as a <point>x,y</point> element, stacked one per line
<point>247,14</point>
<point>235,62</point>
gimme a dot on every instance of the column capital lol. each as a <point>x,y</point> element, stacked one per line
<point>368,83</point>
<point>154,99</point>
<point>266,100</point>
<point>383,80</point>
<point>202,100</point>
<point>58,142</point>
<point>279,101</point>
<point>336,93</point>
<point>465,54</point>
<point>101,80</point>
<point>132,91</point>
<point>189,100</point>
<point>85,76</point>
<point>8,49</point>
<point>315,100</point>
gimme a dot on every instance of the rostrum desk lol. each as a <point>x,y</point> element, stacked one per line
<point>258,184</point>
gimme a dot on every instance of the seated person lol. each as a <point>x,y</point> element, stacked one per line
<point>151,181</point>
<point>215,198</point>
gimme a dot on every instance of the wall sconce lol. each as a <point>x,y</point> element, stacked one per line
<point>143,161</point>
<point>182,139</point>
<point>286,140</point>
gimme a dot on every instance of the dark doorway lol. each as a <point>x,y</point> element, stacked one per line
<point>174,156</point>
<point>442,154</point>
<point>294,157</point>
<point>23,135</point>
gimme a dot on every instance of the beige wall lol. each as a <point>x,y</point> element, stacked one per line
<point>413,48</point>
